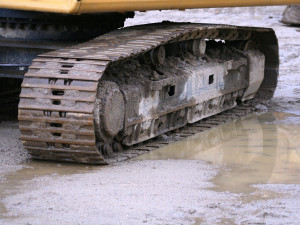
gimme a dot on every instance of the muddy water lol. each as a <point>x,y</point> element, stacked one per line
<point>10,183</point>
<point>257,150</point>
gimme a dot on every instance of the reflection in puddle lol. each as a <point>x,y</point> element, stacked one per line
<point>259,149</point>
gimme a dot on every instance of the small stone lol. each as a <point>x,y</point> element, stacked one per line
<point>192,211</point>
<point>261,107</point>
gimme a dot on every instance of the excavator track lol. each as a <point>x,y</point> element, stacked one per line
<point>59,101</point>
<point>185,132</point>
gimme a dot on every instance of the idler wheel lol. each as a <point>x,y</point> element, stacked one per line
<point>106,150</point>
<point>197,46</point>
<point>158,55</point>
<point>112,111</point>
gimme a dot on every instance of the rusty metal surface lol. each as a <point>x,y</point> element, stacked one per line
<point>59,92</point>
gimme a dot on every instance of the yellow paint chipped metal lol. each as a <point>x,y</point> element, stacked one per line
<point>94,6</point>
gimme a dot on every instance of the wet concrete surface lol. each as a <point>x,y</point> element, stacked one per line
<point>12,182</point>
<point>248,166</point>
<point>246,172</point>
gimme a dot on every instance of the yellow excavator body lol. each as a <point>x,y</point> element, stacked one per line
<point>96,6</point>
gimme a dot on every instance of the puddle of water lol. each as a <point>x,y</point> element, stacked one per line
<point>11,183</point>
<point>260,149</point>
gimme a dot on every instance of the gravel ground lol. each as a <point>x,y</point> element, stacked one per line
<point>13,156</point>
<point>154,192</point>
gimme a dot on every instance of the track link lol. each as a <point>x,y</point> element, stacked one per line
<point>59,91</point>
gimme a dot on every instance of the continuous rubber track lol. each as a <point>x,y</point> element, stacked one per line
<point>56,109</point>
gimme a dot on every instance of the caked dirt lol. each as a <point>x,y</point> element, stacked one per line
<point>245,172</point>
